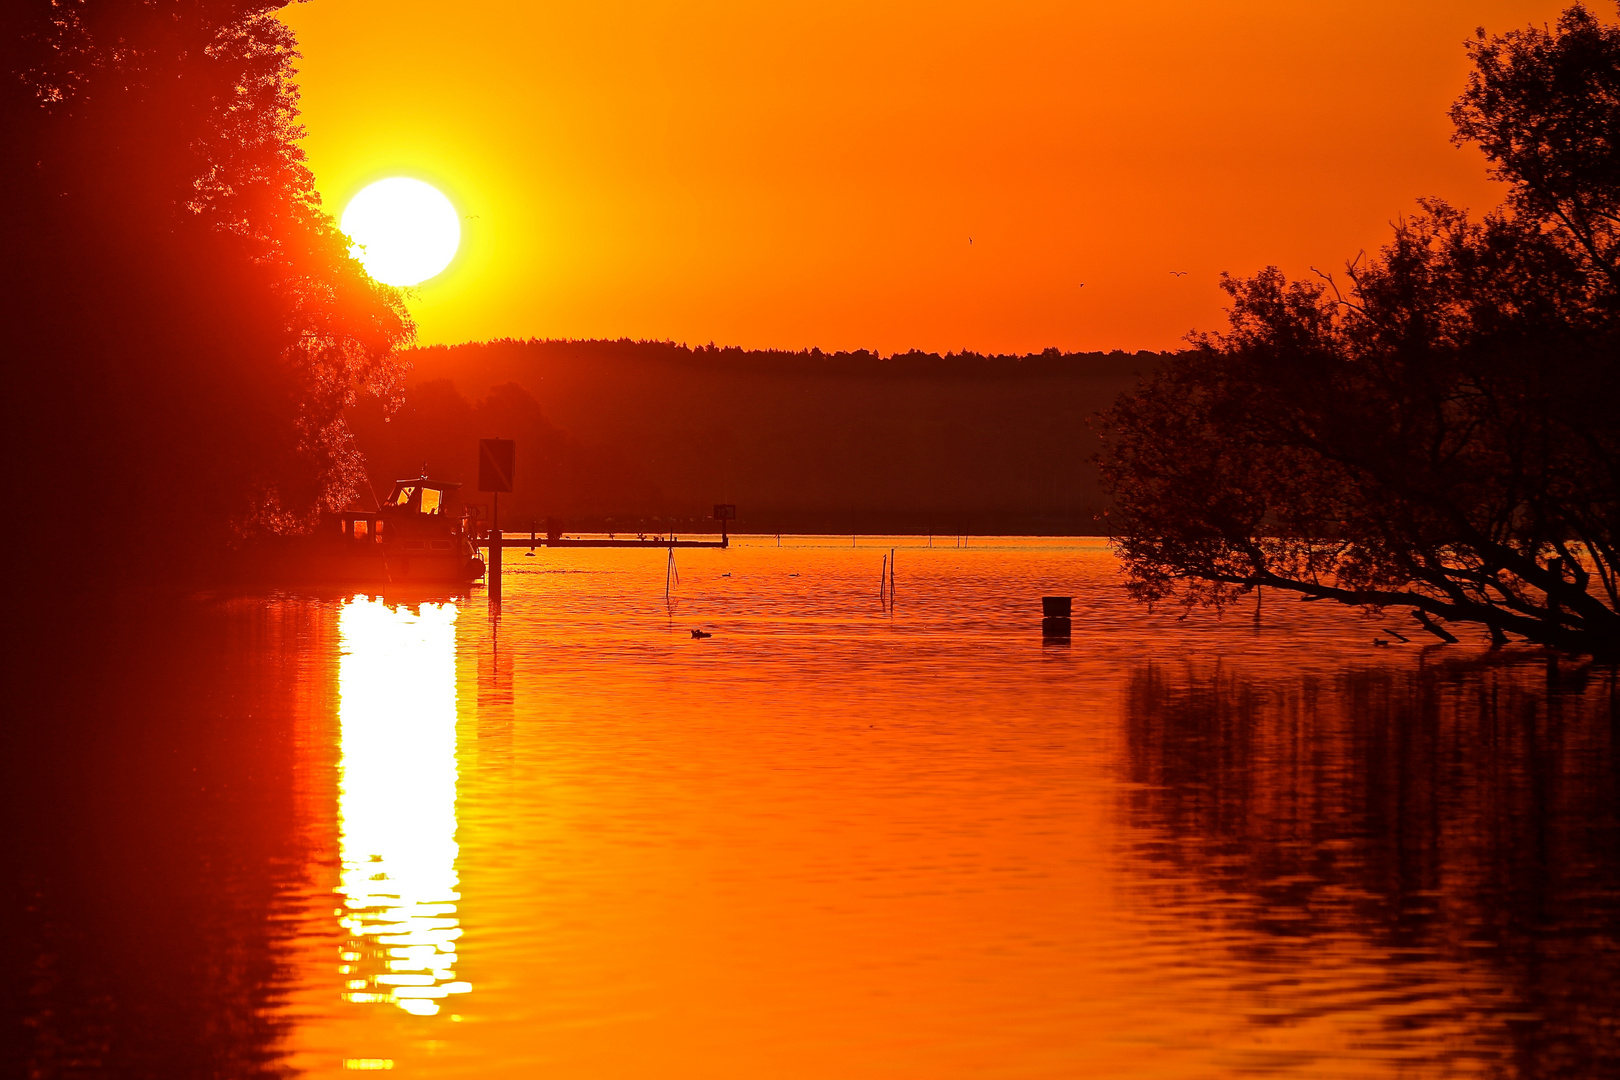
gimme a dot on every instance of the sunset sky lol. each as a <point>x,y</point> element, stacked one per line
<point>809,174</point>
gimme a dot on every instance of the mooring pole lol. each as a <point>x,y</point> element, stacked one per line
<point>494,563</point>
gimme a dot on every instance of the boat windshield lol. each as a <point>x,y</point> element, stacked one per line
<point>427,500</point>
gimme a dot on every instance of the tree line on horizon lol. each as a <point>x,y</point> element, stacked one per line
<point>648,436</point>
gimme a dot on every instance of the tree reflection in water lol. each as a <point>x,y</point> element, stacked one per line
<point>156,859</point>
<point>1456,823</point>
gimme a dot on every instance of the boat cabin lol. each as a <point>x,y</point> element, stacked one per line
<point>361,525</point>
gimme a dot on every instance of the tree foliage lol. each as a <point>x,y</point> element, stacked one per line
<point>1437,429</point>
<point>185,325</point>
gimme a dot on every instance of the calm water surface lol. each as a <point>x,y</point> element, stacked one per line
<point>321,834</point>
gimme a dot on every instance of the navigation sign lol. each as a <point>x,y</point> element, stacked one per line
<point>497,463</point>
<point>725,512</point>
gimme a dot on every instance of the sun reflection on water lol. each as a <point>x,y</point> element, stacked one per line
<point>397,804</point>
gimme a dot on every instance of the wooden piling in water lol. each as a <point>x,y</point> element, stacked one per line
<point>493,567</point>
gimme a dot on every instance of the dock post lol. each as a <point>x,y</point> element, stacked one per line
<point>494,564</point>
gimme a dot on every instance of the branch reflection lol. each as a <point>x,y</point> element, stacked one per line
<point>1453,827</point>
<point>397,804</point>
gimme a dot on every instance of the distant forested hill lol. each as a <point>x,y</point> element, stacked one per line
<point>631,435</point>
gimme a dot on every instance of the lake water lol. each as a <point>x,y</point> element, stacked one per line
<point>326,834</point>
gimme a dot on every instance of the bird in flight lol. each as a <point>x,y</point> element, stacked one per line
<point>1082,284</point>
<point>970,240</point>
<point>1178,273</point>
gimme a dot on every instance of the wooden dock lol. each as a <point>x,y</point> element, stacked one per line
<point>537,540</point>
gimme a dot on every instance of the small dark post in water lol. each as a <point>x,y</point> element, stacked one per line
<point>494,566</point>
<point>497,464</point>
<point>1055,612</point>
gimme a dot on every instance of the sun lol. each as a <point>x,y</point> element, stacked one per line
<point>404,231</point>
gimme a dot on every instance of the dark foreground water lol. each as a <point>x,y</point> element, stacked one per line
<point>321,834</point>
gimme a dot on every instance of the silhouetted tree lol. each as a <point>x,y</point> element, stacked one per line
<point>1439,431</point>
<point>184,324</point>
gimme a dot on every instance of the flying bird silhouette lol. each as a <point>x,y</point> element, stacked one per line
<point>1178,273</point>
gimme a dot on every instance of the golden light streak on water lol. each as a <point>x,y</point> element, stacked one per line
<point>397,804</point>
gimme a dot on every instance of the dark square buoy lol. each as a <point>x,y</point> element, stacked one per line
<point>1055,610</point>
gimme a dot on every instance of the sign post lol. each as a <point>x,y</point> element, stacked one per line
<point>497,464</point>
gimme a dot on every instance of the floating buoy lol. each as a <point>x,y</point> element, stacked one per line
<point>1055,611</point>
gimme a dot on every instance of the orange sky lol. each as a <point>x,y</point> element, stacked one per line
<point>791,174</point>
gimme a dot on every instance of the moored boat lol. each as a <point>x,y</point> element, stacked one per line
<point>416,535</point>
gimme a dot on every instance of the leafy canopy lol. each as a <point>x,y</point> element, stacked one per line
<point>186,324</point>
<point>1434,430</point>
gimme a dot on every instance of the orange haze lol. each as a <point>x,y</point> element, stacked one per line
<point>794,174</point>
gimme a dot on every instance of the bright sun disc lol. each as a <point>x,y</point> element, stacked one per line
<point>404,231</point>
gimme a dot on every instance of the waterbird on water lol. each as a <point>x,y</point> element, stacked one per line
<point>700,633</point>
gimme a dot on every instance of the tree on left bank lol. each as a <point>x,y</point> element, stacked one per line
<point>183,326</point>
